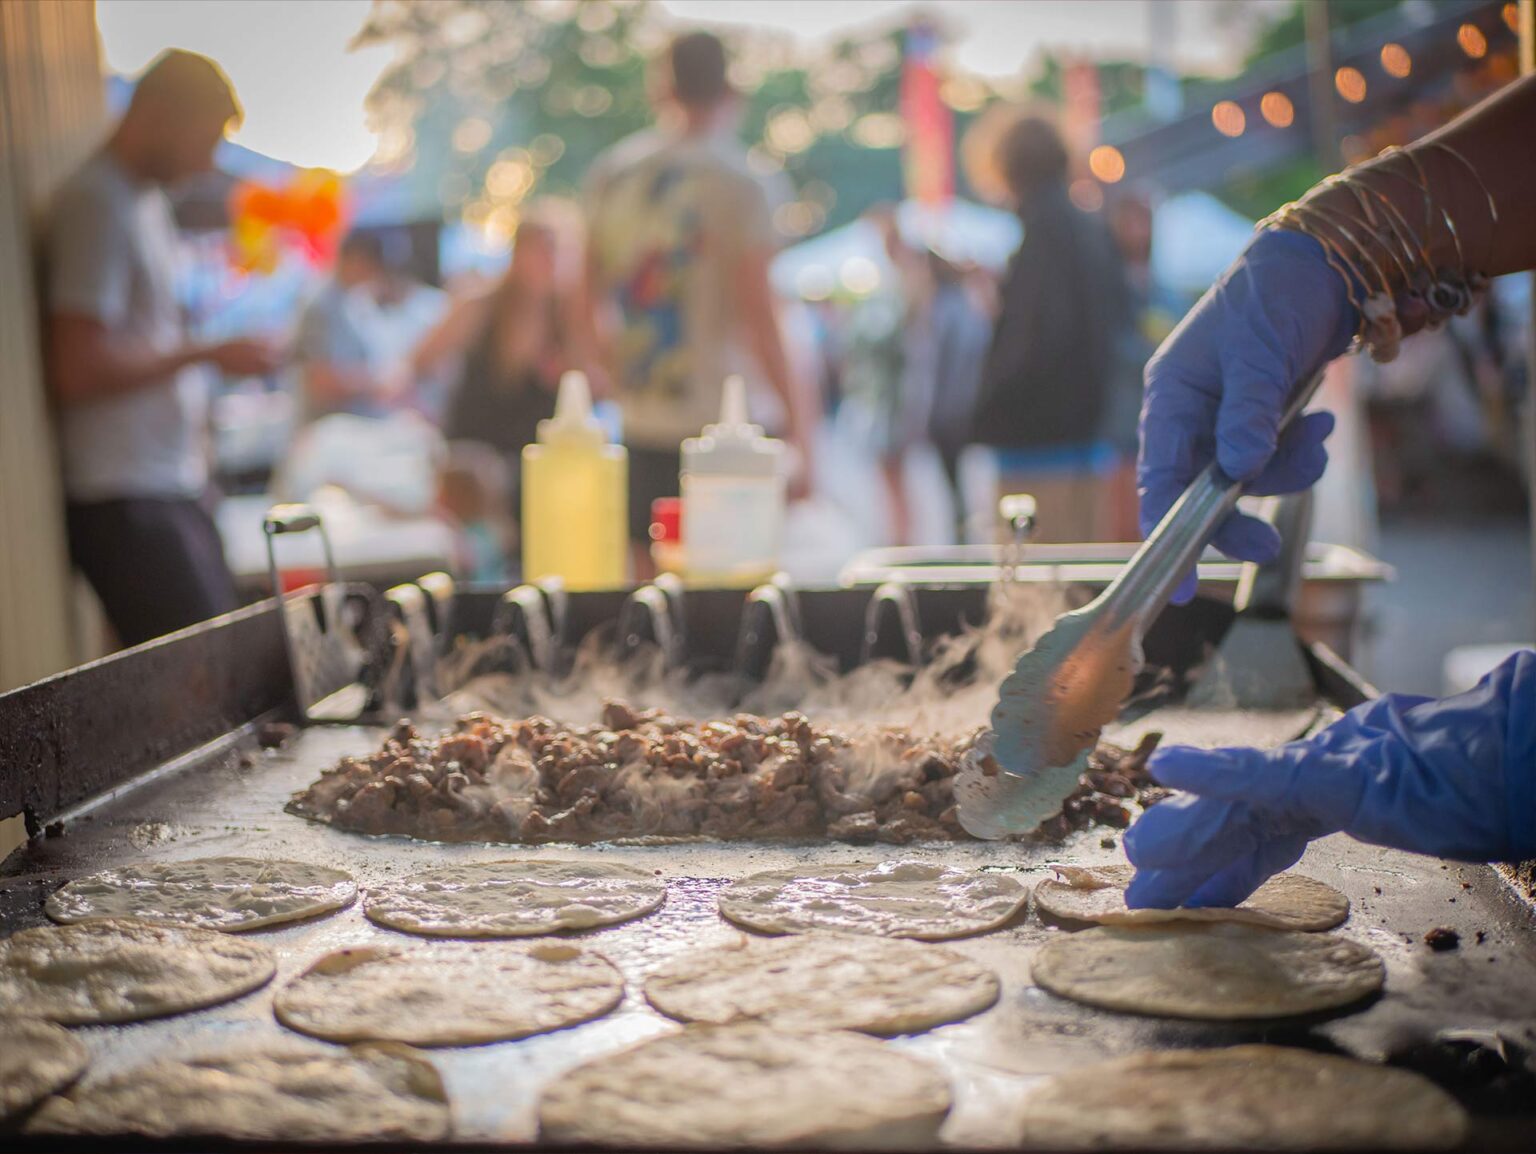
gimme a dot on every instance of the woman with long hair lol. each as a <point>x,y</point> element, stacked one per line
<point>514,342</point>
<point>511,344</point>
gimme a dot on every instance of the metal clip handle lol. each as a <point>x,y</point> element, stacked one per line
<point>770,618</point>
<point>285,519</point>
<point>324,654</point>
<point>648,610</point>
<point>890,626</point>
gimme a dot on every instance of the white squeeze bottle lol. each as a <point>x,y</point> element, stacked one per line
<point>575,496</point>
<point>733,498</point>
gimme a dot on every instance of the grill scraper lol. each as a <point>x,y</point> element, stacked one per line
<point>1062,692</point>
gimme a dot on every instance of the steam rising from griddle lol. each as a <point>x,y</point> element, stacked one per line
<point>624,750</point>
<point>950,694</point>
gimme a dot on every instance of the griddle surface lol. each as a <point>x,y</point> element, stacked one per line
<point>212,804</point>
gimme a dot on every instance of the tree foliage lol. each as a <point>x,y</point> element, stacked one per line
<point>488,103</point>
<point>1290,30</point>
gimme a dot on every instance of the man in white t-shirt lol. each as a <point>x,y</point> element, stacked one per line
<point>680,237</point>
<point>127,381</point>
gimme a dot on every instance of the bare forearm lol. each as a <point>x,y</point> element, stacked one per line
<point>765,341</point>
<point>591,331</point>
<point>338,383</point>
<point>451,336</point>
<point>1461,192</point>
<point>1498,140</point>
<point>87,366</point>
<point>767,347</point>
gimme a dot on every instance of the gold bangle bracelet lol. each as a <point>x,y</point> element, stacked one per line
<point>1493,208</point>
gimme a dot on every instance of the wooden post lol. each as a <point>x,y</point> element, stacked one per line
<point>1325,132</point>
<point>51,111</point>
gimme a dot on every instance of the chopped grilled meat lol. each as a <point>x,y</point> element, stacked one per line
<point>643,773</point>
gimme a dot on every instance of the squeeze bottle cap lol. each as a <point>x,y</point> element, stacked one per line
<point>733,404</point>
<point>733,444</point>
<point>573,421</point>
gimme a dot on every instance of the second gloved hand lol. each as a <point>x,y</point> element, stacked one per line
<point>1454,777</point>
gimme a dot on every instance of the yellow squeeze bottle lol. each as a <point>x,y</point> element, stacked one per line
<point>575,497</point>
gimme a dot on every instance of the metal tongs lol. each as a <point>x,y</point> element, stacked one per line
<point>1061,693</point>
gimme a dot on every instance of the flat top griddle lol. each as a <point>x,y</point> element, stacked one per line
<point>228,799</point>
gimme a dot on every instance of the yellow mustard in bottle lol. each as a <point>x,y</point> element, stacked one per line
<point>575,497</point>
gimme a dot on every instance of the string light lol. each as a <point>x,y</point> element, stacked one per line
<point>471,134</point>
<point>964,93</point>
<point>1228,118</point>
<point>1472,41</point>
<point>879,130</point>
<point>1395,61</point>
<point>1107,163</point>
<point>1351,84</point>
<point>1277,108</point>
<point>789,130</point>
<point>859,275</point>
<point>815,282</point>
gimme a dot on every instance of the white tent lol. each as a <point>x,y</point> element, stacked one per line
<point>1194,238</point>
<point>854,257</point>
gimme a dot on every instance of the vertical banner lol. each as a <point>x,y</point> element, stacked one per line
<point>928,159</point>
<point>1080,114</point>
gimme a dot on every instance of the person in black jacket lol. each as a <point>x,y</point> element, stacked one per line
<point>1046,380</point>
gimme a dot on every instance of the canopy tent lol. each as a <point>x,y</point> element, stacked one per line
<point>1195,237</point>
<point>841,258</point>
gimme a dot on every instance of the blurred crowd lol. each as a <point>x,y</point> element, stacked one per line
<point>656,285</point>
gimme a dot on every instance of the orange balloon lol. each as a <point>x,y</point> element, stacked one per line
<point>309,214</point>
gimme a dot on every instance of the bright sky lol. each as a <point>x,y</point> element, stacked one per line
<point>999,37</point>
<point>303,91</point>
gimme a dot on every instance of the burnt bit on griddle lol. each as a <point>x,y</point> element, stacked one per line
<point>1108,812</point>
<point>1486,1070</point>
<point>273,734</point>
<point>1442,938</point>
<point>53,829</point>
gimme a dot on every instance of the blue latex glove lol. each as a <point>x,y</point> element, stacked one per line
<point>1455,778</point>
<point>1219,383</point>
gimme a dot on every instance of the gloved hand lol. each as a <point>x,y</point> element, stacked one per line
<point>1454,777</point>
<point>1219,383</point>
